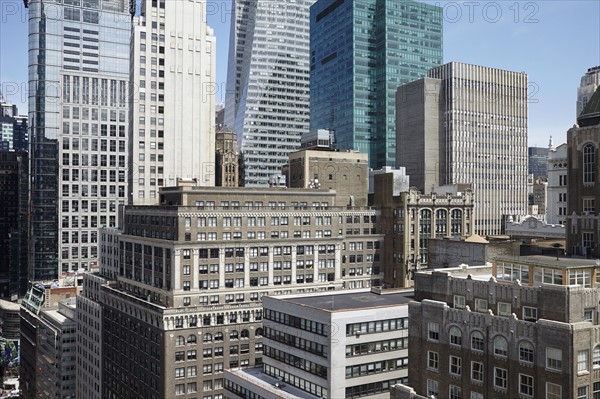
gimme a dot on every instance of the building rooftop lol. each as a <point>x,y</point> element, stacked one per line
<point>275,387</point>
<point>6,305</point>
<point>551,261</point>
<point>351,300</point>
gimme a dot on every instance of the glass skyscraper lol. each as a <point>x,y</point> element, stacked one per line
<point>360,52</point>
<point>267,99</point>
<point>78,85</point>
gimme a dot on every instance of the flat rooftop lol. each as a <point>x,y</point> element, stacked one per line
<point>276,389</point>
<point>351,300</point>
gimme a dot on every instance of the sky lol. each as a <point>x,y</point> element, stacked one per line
<point>553,41</point>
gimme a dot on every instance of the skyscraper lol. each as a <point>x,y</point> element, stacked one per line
<point>172,108</point>
<point>537,162</point>
<point>267,99</point>
<point>467,124</point>
<point>78,77</point>
<point>589,82</point>
<point>360,52</point>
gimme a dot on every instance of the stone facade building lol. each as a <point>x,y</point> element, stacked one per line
<point>410,219</point>
<point>227,160</point>
<point>556,211</point>
<point>524,327</point>
<point>190,274</point>
<point>583,220</point>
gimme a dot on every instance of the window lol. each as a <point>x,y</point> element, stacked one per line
<point>554,359</point>
<point>477,342</point>
<point>596,390</point>
<point>459,301</point>
<point>588,315</point>
<point>504,309</point>
<point>526,385</point>
<point>477,371</point>
<point>529,313</point>
<point>553,391</point>
<point>179,389</point>
<point>596,357</point>
<point>433,389</point>
<point>500,346</point>
<point>433,331</point>
<point>481,305</point>
<point>589,163</point>
<point>433,360</point>
<point>526,352</point>
<point>455,365</point>
<point>476,395</point>
<point>455,336</point>
<point>180,372</point>
<point>582,392</point>
<point>500,378</point>
<point>582,361</point>
<point>455,392</point>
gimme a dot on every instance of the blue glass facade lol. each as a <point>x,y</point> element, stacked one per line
<point>361,51</point>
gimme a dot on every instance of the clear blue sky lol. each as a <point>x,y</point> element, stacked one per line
<point>553,41</point>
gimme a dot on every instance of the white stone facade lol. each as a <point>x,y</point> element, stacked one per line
<point>172,98</point>
<point>556,210</point>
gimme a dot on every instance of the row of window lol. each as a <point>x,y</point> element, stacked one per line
<point>377,326</point>
<point>376,347</point>
<point>297,322</point>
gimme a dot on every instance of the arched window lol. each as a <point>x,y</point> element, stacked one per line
<point>207,337</point>
<point>180,340</point>
<point>441,221</point>
<point>455,336</point>
<point>192,339</point>
<point>456,222</point>
<point>424,234</point>
<point>589,163</point>
<point>245,334</point>
<point>233,335</point>
<point>526,352</point>
<point>477,341</point>
<point>258,332</point>
<point>218,336</point>
<point>500,346</point>
<point>596,357</point>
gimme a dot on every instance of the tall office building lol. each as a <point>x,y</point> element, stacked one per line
<point>267,99</point>
<point>78,78</point>
<point>360,52</point>
<point>13,224</point>
<point>172,108</point>
<point>190,274</point>
<point>467,124</point>
<point>589,82</point>
<point>13,128</point>
<point>537,161</point>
